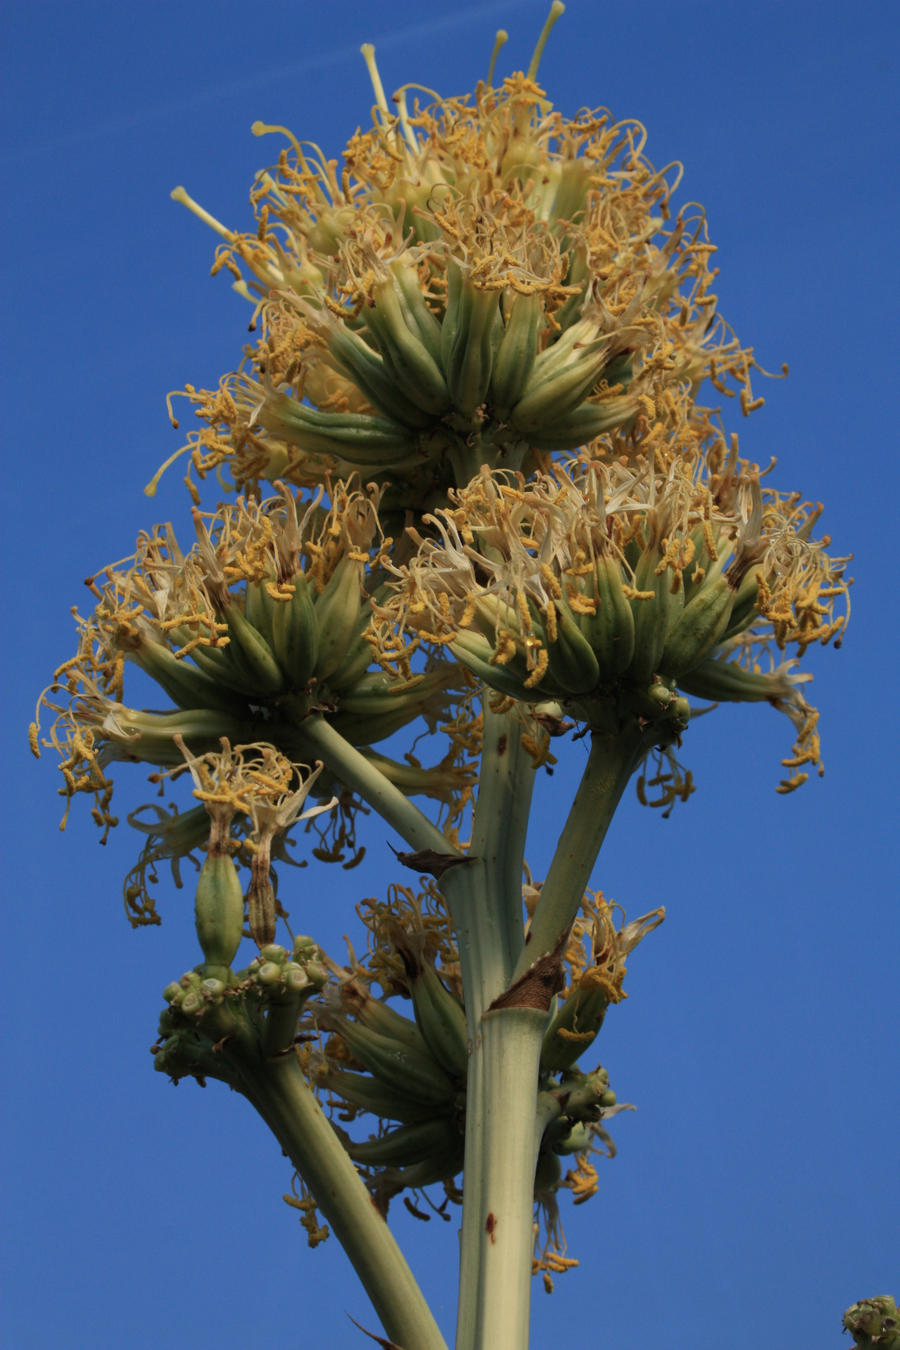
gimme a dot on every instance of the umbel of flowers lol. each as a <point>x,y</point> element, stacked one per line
<point>258,629</point>
<point>475,497</point>
<point>615,583</point>
<point>481,280</point>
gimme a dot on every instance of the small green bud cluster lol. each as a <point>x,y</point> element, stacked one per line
<point>195,993</point>
<point>583,1102</point>
<point>267,998</point>
<point>275,970</point>
<point>874,1323</point>
<point>273,973</point>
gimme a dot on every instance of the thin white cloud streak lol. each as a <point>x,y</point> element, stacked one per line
<point>178,107</point>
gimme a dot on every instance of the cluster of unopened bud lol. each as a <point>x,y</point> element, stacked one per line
<point>195,993</point>
<point>583,1102</point>
<point>276,970</point>
<point>874,1323</point>
<point>204,1009</point>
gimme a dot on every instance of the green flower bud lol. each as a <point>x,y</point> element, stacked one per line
<point>874,1322</point>
<point>399,334</point>
<point>470,335</point>
<point>296,978</point>
<point>272,951</point>
<point>576,1140</point>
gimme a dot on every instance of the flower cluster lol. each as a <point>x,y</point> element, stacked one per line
<point>482,280</point>
<point>261,625</point>
<point>610,582</point>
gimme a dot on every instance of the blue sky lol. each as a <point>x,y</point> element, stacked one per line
<point>756,1190</point>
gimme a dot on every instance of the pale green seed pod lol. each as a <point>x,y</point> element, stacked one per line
<point>295,634</point>
<point>180,678</point>
<point>418,376</point>
<point>401,1067</point>
<point>699,627</point>
<point>252,656</point>
<point>572,666</point>
<point>562,377</point>
<point>470,334</point>
<point>516,353</point>
<point>474,651</point>
<point>655,611</point>
<point>358,438</point>
<point>417,316</point>
<point>723,681</point>
<point>610,630</point>
<point>258,606</point>
<point>573,1028</point>
<point>441,1019</point>
<point>219,912</point>
<point>368,371</point>
<point>359,655</point>
<point>370,1094</point>
<point>408,1144</point>
<point>337,616</point>
<point>379,1016</point>
<point>584,423</point>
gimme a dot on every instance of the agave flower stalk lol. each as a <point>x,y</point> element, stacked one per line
<point>499,510</point>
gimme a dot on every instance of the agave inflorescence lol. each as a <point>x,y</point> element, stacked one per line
<point>482,341</point>
<point>482,280</point>
<point>612,581</point>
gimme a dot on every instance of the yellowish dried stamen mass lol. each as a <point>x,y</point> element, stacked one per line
<point>678,564</point>
<point>476,265</point>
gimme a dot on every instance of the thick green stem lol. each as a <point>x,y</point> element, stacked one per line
<point>346,763</point>
<point>611,763</point>
<point>485,896</point>
<point>279,1092</point>
<point>500,825</point>
<point>473,1185</point>
<point>501,1238</point>
<point>485,900</point>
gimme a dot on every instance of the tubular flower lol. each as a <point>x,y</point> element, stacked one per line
<point>614,587</point>
<point>262,624</point>
<point>595,956</point>
<point>260,784</point>
<point>481,280</point>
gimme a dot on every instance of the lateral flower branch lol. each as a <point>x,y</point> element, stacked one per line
<point>474,499</point>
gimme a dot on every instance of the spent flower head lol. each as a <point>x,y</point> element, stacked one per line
<point>262,624</point>
<point>482,279</point>
<point>609,583</point>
